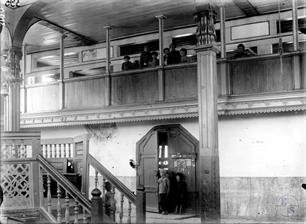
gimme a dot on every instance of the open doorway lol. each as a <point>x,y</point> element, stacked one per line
<point>173,149</point>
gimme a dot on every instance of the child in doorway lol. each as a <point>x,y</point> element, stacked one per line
<point>163,191</point>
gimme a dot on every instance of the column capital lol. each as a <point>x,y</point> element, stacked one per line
<point>107,27</point>
<point>11,70</point>
<point>207,47</point>
<point>161,17</point>
<point>205,21</point>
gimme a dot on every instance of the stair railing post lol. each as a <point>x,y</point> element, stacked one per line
<point>96,206</point>
<point>140,206</point>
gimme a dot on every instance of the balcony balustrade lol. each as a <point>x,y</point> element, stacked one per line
<point>244,77</point>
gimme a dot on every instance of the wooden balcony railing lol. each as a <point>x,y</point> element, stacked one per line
<point>243,76</point>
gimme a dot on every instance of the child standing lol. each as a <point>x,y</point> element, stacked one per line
<point>163,191</point>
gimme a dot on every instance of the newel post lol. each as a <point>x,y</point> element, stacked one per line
<point>208,176</point>
<point>140,206</point>
<point>96,206</point>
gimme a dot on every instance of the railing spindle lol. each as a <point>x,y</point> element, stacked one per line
<point>53,151</point>
<point>76,212</point>
<point>84,216</point>
<point>48,194</point>
<point>96,179</point>
<point>129,213</point>
<point>67,214</point>
<point>59,218</point>
<point>121,208</point>
<point>112,210</point>
<point>71,150</point>
<point>103,188</point>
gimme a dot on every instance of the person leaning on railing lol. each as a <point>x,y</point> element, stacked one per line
<point>241,52</point>
<point>154,61</point>
<point>127,64</point>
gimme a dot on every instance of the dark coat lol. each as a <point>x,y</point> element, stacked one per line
<point>174,57</point>
<point>145,58</point>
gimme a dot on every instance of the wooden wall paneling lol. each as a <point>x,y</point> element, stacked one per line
<point>135,88</point>
<point>85,93</point>
<point>181,83</point>
<point>42,98</point>
<point>261,75</point>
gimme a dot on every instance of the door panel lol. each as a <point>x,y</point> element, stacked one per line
<point>149,169</point>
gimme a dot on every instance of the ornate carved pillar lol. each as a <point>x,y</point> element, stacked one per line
<point>208,175</point>
<point>11,80</point>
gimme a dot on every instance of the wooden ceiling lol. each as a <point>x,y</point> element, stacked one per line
<point>86,18</point>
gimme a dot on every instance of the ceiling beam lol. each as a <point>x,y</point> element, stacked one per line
<point>78,37</point>
<point>246,7</point>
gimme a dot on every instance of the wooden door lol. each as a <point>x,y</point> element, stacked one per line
<point>147,157</point>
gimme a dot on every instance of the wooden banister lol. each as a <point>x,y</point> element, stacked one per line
<point>112,179</point>
<point>64,183</point>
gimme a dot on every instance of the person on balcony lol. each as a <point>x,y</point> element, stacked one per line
<point>127,64</point>
<point>241,52</point>
<point>184,58</point>
<point>174,56</point>
<point>166,54</point>
<point>154,62</point>
<point>145,57</point>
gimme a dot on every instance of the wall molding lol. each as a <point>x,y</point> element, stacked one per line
<point>227,106</point>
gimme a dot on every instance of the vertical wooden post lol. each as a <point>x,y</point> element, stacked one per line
<point>222,31</point>
<point>295,27</point>
<point>85,165</point>
<point>161,73</point>
<point>141,206</point>
<point>108,86</point>
<point>24,79</point>
<point>37,175</point>
<point>96,206</point>
<point>208,175</point>
<point>296,58</point>
<point>62,66</point>
<point>224,65</point>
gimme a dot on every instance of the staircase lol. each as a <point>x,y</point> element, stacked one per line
<point>26,177</point>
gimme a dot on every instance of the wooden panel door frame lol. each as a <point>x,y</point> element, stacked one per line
<point>162,128</point>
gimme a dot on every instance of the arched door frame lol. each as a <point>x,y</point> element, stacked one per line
<point>139,182</point>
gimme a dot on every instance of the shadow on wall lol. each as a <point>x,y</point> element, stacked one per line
<point>101,132</point>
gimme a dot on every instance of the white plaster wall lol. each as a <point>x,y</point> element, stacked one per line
<point>261,146</point>
<point>265,146</point>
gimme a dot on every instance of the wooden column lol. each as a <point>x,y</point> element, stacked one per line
<point>225,87</point>
<point>108,85</point>
<point>62,75</point>
<point>12,123</point>
<point>296,58</point>
<point>24,79</point>
<point>161,73</point>
<point>208,176</point>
